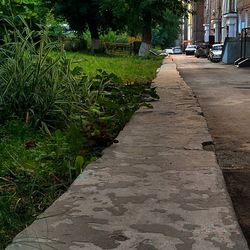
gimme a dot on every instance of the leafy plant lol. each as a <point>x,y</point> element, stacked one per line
<point>34,86</point>
<point>114,37</point>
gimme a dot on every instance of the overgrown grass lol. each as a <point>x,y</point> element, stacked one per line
<point>55,120</point>
<point>131,69</point>
<point>36,168</point>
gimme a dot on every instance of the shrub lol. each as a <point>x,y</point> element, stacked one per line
<point>34,86</point>
<point>114,37</point>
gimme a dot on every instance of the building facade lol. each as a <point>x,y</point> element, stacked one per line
<point>216,21</point>
<point>211,21</point>
<point>229,19</point>
<point>225,18</point>
<point>243,14</point>
<point>192,25</point>
<point>198,21</point>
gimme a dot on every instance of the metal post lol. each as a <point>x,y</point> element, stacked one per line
<point>245,42</point>
<point>241,43</point>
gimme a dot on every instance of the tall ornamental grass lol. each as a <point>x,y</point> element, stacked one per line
<point>34,86</point>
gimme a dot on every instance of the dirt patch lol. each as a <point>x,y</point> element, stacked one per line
<point>235,165</point>
<point>208,146</point>
<point>238,185</point>
<point>236,170</point>
<point>232,159</point>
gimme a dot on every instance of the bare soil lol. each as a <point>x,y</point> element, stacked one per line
<point>236,171</point>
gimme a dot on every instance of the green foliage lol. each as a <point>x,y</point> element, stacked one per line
<point>39,88</point>
<point>32,10</point>
<point>34,86</point>
<point>107,36</point>
<point>82,15</point>
<point>55,26</point>
<point>131,69</point>
<point>166,35</point>
<point>18,7</point>
<point>114,37</point>
<point>132,13</point>
<point>34,171</point>
<point>36,168</point>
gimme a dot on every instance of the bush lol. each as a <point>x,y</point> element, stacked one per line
<point>74,44</point>
<point>114,37</point>
<point>34,86</point>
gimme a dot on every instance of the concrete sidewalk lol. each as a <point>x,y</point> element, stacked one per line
<point>156,189</point>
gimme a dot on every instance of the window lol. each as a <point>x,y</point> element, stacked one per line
<point>229,6</point>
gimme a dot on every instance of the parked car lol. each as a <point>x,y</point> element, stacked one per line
<point>177,50</point>
<point>190,49</point>
<point>169,51</point>
<point>215,54</point>
<point>164,53</point>
<point>202,50</point>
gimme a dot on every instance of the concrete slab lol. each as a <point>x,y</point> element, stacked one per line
<point>157,189</point>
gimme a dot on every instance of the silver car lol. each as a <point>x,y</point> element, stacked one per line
<point>215,54</point>
<point>190,49</point>
<point>177,50</point>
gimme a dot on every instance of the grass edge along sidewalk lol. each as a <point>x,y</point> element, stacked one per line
<point>36,168</point>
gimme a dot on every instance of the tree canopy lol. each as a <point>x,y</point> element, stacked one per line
<point>141,16</point>
<point>134,16</point>
<point>165,35</point>
<point>29,9</point>
<point>84,14</point>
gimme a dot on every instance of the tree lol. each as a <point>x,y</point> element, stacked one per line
<point>141,16</point>
<point>31,10</point>
<point>166,35</point>
<point>82,15</point>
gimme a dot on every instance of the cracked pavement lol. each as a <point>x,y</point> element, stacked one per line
<point>157,189</point>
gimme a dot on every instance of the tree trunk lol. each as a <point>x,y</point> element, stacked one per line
<point>96,44</point>
<point>146,34</point>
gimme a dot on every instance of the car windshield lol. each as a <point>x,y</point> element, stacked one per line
<point>191,46</point>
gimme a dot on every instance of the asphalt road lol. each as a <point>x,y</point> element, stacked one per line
<point>223,92</point>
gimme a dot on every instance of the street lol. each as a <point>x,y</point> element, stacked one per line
<point>223,92</point>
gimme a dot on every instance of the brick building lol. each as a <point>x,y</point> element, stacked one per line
<point>212,21</point>
<point>198,21</point>
<point>192,27</point>
<point>243,14</point>
<point>225,18</point>
<point>216,20</point>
